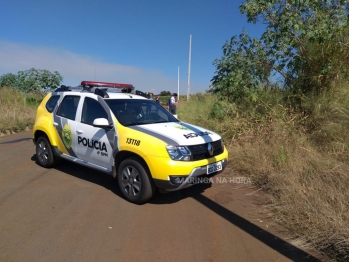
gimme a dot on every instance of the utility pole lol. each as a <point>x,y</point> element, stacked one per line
<point>178,85</point>
<point>188,92</point>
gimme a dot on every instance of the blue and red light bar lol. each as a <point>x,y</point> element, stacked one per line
<point>105,84</point>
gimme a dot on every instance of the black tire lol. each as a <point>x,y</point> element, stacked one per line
<point>134,181</point>
<point>44,154</point>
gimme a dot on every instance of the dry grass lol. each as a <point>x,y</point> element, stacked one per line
<point>300,160</point>
<point>16,112</point>
<point>307,188</point>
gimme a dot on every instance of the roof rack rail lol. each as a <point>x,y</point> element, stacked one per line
<point>100,88</point>
<point>140,93</point>
<point>101,92</point>
<point>63,88</point>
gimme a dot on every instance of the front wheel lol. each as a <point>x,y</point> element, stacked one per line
<point>44,153</point>
<point>134,181</point>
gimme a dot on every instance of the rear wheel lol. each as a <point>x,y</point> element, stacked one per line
<point>134,181</point>
<point>44,153</point>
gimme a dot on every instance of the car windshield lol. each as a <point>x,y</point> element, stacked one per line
<point>139,112</point>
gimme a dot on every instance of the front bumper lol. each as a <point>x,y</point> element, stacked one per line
<point>196,176</point>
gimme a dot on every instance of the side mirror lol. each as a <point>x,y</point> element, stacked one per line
<point>102,122</point>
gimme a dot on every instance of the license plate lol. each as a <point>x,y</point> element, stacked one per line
<point>215,167</point>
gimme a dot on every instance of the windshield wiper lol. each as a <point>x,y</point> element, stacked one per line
<point>163,121</point>
<point>143,123</point>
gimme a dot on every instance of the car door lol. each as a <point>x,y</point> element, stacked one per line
<point>65,124</point>
<point>94,144</point>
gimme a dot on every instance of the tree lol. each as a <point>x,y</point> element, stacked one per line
<point>9,80</point>
<point>242,69</point>
<point>38,81</point>
<point>165,93</point>
<point>286,48</point>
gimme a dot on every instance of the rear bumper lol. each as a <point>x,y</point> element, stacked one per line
<point>197,175</point>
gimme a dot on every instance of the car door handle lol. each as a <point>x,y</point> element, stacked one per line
<point>55,124</point>
<point>79,131</point>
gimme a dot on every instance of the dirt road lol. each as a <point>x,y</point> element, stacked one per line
<point>71,213</point>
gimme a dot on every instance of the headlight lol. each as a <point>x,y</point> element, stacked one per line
<point>180,153</point>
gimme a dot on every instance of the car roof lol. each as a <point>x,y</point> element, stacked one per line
<point>103,89</point>
<point>111,95</point>
<point>124,96</point>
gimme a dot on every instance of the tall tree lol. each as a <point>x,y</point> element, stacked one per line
<point>38,81</point>
<point>285,50</point>
<point>9,80</point>
<point>165,93</point>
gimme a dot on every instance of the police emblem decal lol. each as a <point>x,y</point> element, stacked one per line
<point>67,136</point>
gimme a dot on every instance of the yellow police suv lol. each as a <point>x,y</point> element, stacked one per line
<point>110,128</point>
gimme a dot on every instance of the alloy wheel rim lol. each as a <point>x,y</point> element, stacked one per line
<point>42,152</point>
<point>131,181</point>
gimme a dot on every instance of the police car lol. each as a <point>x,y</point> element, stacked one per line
<point>109,127</point>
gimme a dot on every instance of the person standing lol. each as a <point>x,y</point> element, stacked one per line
<point>173,104</point>
<point>157,100</point>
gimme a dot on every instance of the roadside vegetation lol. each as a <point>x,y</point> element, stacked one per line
<point>17,110</point>
<point>281,103</point>
<point>299,158</point>
<point>286,97</point>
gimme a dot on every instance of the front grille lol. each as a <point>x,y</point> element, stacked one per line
<point>200,152</point>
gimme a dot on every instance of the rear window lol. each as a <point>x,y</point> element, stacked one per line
<point>51,103</point>
<point>68,107</point>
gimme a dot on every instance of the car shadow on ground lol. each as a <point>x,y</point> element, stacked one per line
<point>87,174</point>
<point>16,141</point>
<point>288,250</point>
<point>110,183</point>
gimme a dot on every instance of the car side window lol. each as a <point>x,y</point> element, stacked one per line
<point>68,107</point>
<point>91,110</point>
<point>51,103</point>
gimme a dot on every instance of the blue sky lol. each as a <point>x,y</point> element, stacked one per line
<point>138,42</point>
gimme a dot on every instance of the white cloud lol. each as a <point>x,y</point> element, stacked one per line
<point>74,67</point>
